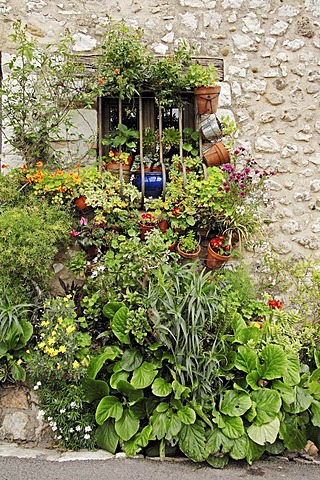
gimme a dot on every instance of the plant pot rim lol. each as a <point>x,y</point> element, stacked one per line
<point>187,254</point>
<point>222,258</point>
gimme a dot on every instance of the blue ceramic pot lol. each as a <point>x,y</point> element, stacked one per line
<point>153,182</point>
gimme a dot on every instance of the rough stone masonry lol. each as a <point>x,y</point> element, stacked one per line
<point>271,52</point>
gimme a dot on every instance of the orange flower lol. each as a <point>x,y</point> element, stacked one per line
<point>4,166</point>
<point>24,167</point>
<point>39,164</point>
<point>78,165</point>
<point>59,172</point>
<point>117,71</point>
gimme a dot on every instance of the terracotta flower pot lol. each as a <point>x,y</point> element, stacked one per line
<point>215,260</point>
<point>207,99</point>
<point>145,229</point>
<point>114,168</point>
<point>190,256</point>
<point>81,202</point>
<point>216,155</point>
<point>163,225</point>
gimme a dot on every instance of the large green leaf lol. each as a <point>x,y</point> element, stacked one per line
<point>127,425</point>
<point>247,359</point>
<point>106,436</point>
<point>117,377</point>
<point>161,388</point>
<point>235,403</point>
<point>218,443</point>
<point>302,401</point>
<point>111,308</point>
<point>261,434</point>
<point>233,427</point>
<point>174,426</point>
<point>17,371</point>
<point>139,441</point>
<point>267,405</point>
<point>180,390</point>
<point>109,406</point>
<point>158,420</point>
<point>240,447</point>
<point>94,389</point>
<point>315,413</point>
<point>254,452</point>
<point>218,462</point>
<point>291,375</point>
<point>248,334</point>
<point>293,433</point>
<point>274,362</point>
<point>119,325</point>
<point>187,415</point>
<point>252,379</point>
<point>286,392</point>
<point>131,359</point>
<point>96,363</point>
<point>192,441</point>
<point>127,389</point>
<point>144,375</point>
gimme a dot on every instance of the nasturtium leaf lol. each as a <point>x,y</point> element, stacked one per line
<point>254,452</point>
<point>261,434</point>
<point>302,401</point>
<point>96,363</point>
<point>252,379</point>
<point>118,377</point>
<point>291,375</point>
<point>235,403</point>
<point>131,359</point>
<point>119,325</point>
<point>108,407</point>
<point>315,413</point>
<point>239,448</point>
<point>193,443</point>
<point>161,388</point>
<point>247,359</point>
<point>106,436</point>
<point>139,441</point>
<point>233,427</point>
<point>274,362</point>
<point>144,375</point>
<point>187,415</point>
<point>293,433</point>
<point>127,425</point>
<point>94,389</point>
<point>109,309</point>
<point>267,403</point>
<point>286,392</point>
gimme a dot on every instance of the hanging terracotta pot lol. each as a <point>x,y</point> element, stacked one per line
<point>114,168</point>
<point>144,229</point>
<point>81,202</point>
<point>216,155</point>
<point>189,256</point>
<point>207,99</point>
<point>215,260</point>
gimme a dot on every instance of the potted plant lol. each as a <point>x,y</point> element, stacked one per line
<point>147,223</point>
<point>218,252</point>
<point>189,245</point>
<point>203,80</point>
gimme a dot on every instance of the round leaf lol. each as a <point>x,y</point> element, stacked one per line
<point>161,388</point>
<point>127,425</point>
<point>235,403</point>
<point>108,407</point>
<point>274,362</point>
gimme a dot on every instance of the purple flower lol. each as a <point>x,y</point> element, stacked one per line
<point>83,221</point>
<point>242,194</point>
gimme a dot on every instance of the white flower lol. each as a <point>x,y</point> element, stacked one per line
<point>59,438</point>
<point>49,418</point>
<point>62,410</point>
<point>71,430</point>
<point>54,428</point>
<point>94,274</point>
<point>39,384</point>
<point>36,387</point>
<point>86,436</point>
<point>73,405</point>
<point>40,414</point>
<point>101,268</point>
<point>78,428</point>
<point>87,428</point>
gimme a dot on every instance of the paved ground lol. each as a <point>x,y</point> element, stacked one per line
<point>19,463</point>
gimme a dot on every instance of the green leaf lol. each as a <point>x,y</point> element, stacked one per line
<point>96,363</point>
<point>261,434</point>
<point>108,407</point>
<point>107,437</point>
<point>315,413</point>
<point>218,462</point>
<point>18,372</point>
<point>275,448</point>
<point>267,405</point>
<point>111,308</point>
<point>274,362</point>
<point>248,334</point>
<point>233,427</point>
<point>162,407</point>
<point>218,442</point>
<point>235,403</point>
<point>180,390</point>
<point>240,448</point>
<point>286,392</point>
<point>192,441</point>
<point>293,433</point>
<point>139,441</point>
<point>302,401</point>
<point>161,388</point>
<point>187,415</point>
<point>254,452</point>
<point>246,360</point>
<point>253,379</point>
<point>158,420</point>
<point>127,389</point>
<point>131,359</point>
<point>291,375</point>
<point>118,377</point>
<point>119,325</point>
<point>175,426</point>
<point>144,375</point>
<point>94,389</point>
<point>127,425</point>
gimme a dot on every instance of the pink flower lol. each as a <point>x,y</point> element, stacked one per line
<point>83,221</point>
<point>73,233</point>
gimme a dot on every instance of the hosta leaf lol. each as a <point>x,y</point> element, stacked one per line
<point>246,360</point>
<point>267,404</point>
<point>131,359</point>
<point>144,375</point>
<point>286,392</point>
<point>233,427</point>
<point>96,363</point>
<point>108,407</point>
<point>274,362</point>
<point>161,388</point>
<point>187,415</point>
<point>119,325</point>
<point>315,413</point>
<point>235,403</point>
<point>193,442</point>
<point>302,401</point>
<point>94,389</point>
<point>106,436</point>
<point>139,441</point>
<point>127,425</point>
<point>240,448</point>
<point>261,434</point>
<point>291,375</point>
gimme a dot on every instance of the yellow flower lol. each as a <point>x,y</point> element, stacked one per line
<point>70,329</point>
<point>19,361</point>
<point>51,341</point>
<point>44,323</point>
<point>60,320</point>
<point>62,349</point>
<point>41,345</point>
<point>54,333</point>
<point>42,335</point>
<point>85,362</point>
<point>76,364</point>
<point>67,297</point>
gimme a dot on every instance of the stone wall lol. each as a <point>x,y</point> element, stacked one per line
<point>271,52</point>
